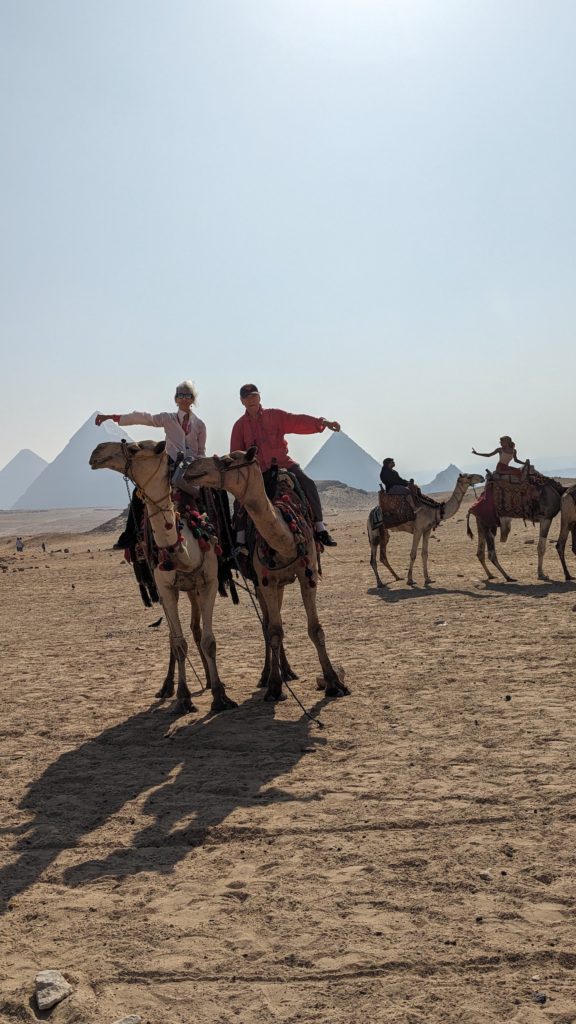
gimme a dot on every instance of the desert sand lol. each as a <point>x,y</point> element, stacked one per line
<point>413,861</point>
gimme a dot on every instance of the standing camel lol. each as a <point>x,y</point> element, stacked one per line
<point>567,525</point>
<point>547,507</point>
<point>426,519</point>
<point>187,566</point>
<point>293,559</point>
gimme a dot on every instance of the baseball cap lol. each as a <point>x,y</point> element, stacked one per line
<point>248,389</point>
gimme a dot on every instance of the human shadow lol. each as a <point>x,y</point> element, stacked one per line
<point>194,781</point>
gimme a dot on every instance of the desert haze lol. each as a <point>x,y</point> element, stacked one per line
<point>413,861</point>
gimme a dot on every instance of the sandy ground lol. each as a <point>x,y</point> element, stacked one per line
<point>57,520</point>
<point>414,861</point>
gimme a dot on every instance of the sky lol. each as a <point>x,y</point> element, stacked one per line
<point>365,207</point>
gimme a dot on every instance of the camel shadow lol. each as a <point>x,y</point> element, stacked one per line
<point>411,593</point>
<point>193,782</point>
<point>535,590</point>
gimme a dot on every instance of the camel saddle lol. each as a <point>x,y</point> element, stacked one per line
<point>517,497</point>
<point>395,509</point>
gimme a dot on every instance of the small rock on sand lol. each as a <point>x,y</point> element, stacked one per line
<point>51,988</point>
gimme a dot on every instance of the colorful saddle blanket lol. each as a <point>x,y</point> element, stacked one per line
<point>395,508</point>
<point>518,497</point>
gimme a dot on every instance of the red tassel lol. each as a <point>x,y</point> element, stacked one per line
<point>217,550</point>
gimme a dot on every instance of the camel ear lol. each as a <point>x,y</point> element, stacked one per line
<point>252,453</point>
<point>160,447</point>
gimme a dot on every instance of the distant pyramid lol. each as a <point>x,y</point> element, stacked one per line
<point>443,481</point>
<point>18,474</point>
<point>68,482</point>
<point>340,458</point>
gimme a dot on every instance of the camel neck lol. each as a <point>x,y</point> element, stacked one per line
<point>455,499</point>
<point>268,520</point>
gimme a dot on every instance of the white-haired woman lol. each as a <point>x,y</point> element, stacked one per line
<point>185,432</point>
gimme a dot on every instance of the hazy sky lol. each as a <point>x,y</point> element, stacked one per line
<point>365,207</point>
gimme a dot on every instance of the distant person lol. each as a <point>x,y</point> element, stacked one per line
<point>19,544</point>
<point>184,431</point>
<point>507,453</point>
<point>43,547</point>
<point>266,428</point>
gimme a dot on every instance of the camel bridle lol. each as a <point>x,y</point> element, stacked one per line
<point>128,474</point>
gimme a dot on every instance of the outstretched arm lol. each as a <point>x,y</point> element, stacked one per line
<point>486,455</point>
<point>331,424</point>
<point>519,461</point>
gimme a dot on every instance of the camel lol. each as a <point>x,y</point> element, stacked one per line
<point>549,503</point>
<point>240,474</point>
<point>187,568</point>
<point>427,519</point>
<point>567,525</point>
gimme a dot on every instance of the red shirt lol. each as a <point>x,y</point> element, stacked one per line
<point>266,430</point>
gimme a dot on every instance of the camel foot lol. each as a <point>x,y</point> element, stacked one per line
<point>428,582</point>
<point>410,583</point>
<point>289,674</point>
<point>223,703</point>
<point>274,696</point>
<point>511,579</point>
<point>184,706</point>
<point>167,690</point>
<point>337,690</point>
<point>543,576</point>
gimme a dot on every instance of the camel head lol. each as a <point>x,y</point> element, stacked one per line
<point>211,472</point>
<point>469,479</point>
<point>128,458</point>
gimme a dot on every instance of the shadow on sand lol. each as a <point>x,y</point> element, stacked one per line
<point>193,782</point>
<point>486,588</point>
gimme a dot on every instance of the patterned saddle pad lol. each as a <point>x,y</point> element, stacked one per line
<point>395,508</point>
<point>514,497</point>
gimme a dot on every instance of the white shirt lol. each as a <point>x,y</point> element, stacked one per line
<point>191,444</point>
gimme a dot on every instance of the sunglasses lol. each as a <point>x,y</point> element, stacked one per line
<point>183,394</point>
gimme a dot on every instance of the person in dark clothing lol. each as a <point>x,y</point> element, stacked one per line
<point>392,480</point>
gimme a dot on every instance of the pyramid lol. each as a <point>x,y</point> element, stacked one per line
<point>444,481</point>
<point>18,474</point>
<point>340,458</point>
<point>68,481</point>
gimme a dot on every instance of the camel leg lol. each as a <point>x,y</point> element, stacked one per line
<point>334,687</point>
<point>206,599</point>
<point>384,538</point>
<point>286,670</point>
<point>425,542</point>
<point>416,537</point>
<point>481,549</point>
<point>505,527</point>
<point>167,688</point>
<point>196,630</point>
<point>490,541</point>
<point>545,525</point>
<point>374,538</point>
<point>178,645</point>
<point>275,637</point>
<point>561,548</point>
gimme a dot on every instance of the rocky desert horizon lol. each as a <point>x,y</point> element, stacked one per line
<point>412,861</point>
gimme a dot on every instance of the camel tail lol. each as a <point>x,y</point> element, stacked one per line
<point>468,528</point>
<point>573,528</point>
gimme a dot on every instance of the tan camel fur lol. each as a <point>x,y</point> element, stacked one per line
<point>240,474</point>
<point>549,504</point>
<point>427,518</point>
<point>195,571</point>
<point>567,525</point>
